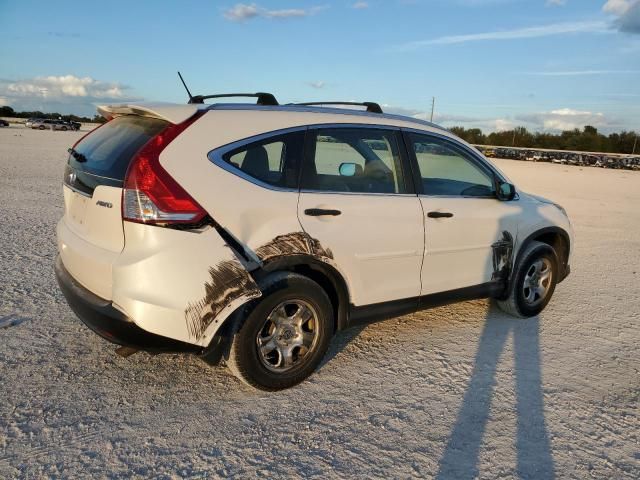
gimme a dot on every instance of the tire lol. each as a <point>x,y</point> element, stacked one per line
<point>270,321</point>
<point>41,127</point>
<point>522,300</point>
<point>64,129</point>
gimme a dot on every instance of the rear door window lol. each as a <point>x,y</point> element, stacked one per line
<point>358,160</point>
<point>273,161</point>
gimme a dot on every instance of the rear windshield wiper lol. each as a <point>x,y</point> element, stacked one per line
<point>77,155</point>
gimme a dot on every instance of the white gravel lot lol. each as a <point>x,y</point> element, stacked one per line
<point>456,392</point>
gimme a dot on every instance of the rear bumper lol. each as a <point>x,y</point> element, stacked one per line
<point>108,322</point>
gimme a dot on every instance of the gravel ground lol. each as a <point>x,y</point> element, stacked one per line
<point>455,392</point>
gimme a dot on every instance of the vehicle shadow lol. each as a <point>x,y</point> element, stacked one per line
<point>534,459</point>
<point>339,343</point>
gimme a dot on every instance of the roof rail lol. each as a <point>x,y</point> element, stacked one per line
<point>263,97</point>
<point>371,106</point>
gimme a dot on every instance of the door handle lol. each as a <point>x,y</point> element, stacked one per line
<point>319,212</point>
<point>439,215</point>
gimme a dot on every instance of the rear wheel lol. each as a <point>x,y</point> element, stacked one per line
<point>285,334</point>
<point>41,127</point>
<point>533,281</point>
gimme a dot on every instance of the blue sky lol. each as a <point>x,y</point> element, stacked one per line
<point>493,64</point>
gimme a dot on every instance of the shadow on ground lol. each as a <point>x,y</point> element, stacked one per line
<point>534,460</point>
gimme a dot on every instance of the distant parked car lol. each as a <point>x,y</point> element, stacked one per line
<point>54,125</point>
<point>30,121</point>
<point>3,123</point>
<point>40,124</point>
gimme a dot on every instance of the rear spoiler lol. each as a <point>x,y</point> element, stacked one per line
<point>171,112</point>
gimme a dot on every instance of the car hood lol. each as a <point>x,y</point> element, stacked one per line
<point>535,198</point>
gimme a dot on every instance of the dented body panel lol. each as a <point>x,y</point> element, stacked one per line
<point>229,286</point>
<point>502,254</point>
<point>178,284</point>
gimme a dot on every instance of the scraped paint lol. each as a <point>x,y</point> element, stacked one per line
<point>502,256</point>
<point>229,281</point>
<point>294,243</point>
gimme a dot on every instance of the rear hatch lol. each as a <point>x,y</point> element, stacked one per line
<point>91,232</point>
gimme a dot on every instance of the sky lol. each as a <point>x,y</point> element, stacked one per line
<point>548,65</point>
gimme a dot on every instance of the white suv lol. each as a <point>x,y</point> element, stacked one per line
<point>252,233</point>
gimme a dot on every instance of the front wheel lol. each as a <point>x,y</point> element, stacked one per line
<point>285,334</point>
<point>533,280</point>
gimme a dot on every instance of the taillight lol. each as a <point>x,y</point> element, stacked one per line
<point>150,194</point>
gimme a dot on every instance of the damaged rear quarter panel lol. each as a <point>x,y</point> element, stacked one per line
<point>230,285</point>
<point>179,284</point>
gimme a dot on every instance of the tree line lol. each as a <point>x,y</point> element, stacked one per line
<point>6,111</point>
<point>586,140</point>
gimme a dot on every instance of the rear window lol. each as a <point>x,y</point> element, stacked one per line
<point>109,150</point>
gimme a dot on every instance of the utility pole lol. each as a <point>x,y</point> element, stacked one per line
<point>635,142</point>
<point>513,141</point>
<point>433,106</point>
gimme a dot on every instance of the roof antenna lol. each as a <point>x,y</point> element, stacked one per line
<point>186,88</point>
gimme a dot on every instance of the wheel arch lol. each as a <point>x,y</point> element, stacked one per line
<point>320,272</point>
<point>323,274</point>
<point>557,238</point>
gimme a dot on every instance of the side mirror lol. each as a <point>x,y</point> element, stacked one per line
<point>347,169</point>
<point>505,191</point>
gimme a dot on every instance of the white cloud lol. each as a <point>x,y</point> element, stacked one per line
<point>519,33</point>
<point>627,13</point>
<point>503,124</point>
<point>555,3</point>
<point>360,5</point>
<point>566,119</point>
<point>455,120</point>
<point>617,7</point>
<point>63,86</point>
<point>66,92</point>
<point>487,125</point>
<point>286,13</point>
<point>242,12</point>
<point>555,120</point>
<point>317,84</point>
